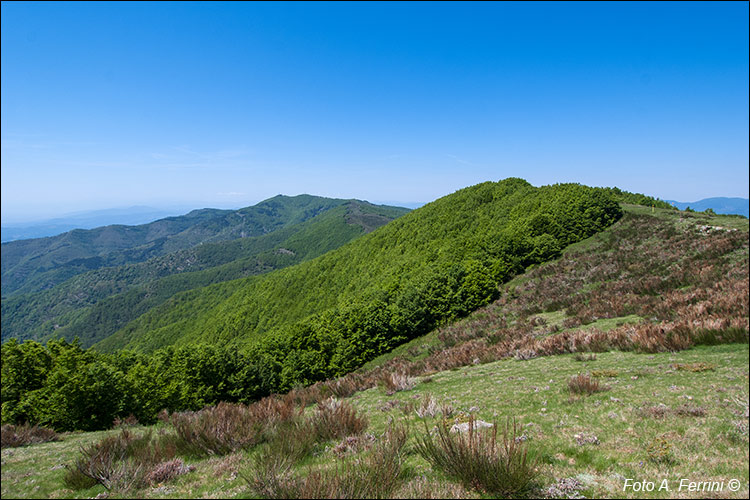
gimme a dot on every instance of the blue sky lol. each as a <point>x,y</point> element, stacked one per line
<point>226,104</point>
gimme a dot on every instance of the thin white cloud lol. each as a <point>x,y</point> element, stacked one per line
<point>460,160</point>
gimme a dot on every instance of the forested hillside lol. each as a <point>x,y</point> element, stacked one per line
<point>652,282</point>
<point>436,263</point>
<point>37,264</point>
<point>95,304</point>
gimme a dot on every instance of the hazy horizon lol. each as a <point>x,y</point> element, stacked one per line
<point>183,209</point>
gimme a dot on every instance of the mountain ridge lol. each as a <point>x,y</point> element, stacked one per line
<point>455,234</point>
<point>56,310</point>
<point>720,205</point>
<point>31,265</point>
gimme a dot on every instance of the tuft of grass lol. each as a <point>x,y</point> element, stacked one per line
<point>376,475</point>
<point>476,460</point>
<point>584,384</point>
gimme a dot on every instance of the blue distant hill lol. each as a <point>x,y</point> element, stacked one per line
<point>719,205</point>
<point>84,220</point>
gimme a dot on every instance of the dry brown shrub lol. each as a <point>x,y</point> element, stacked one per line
<point>168,470</point>
<point>336,419</point>
<point>223,428</point>
<point>20,435</point>
<point>395,382</point>
<point>585,385</point>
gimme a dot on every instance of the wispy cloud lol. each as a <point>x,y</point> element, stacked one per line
<point>460,160</point>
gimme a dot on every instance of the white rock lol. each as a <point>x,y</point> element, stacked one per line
<point>478,424</point>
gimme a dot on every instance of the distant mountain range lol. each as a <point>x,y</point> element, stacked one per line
<point>84,220</point>
<point>89,283</point>
<point>720,205</point>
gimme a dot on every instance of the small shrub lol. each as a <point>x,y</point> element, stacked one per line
<point>76,480</point>
<point>428,407</point>
<point>270,474</point>
<point>694,367</point>
<point>163,416</point>
<point>585,438</point>
<point>657,411</point>
<point>168,470</point>
<point>121,462</point>
<point>220,429</point>
<point>584,384</point>
<point>295,439</point>
<point>659,451</point>
<point>567,487</point>
<point>353,444</point>
<point>579,356</point>
<point>524,354</point>
<point>335,419</point>
<point>571,322</point>
<point>129,421</point>
<point>475,459</point>
<point>738,432</point>
<point>12,436</point>
<point>395,382</point>
<point>423,488</point>
<point>689,410</point>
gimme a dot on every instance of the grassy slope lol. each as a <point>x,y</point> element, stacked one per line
<point>709,447</point>
<point>625,231</point>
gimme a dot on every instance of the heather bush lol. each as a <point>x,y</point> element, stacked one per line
<point>479,461</point>
<point>395,382</point>
<point>335,419</point>
<point>689,410</point>
<point>221,429</point>
<point>428,407</point>
<point>76,480</point>
<point>656,411</point>
<point>167,471</point>
<point>22,435</point>
<point>129,421</point>
<point>123,462</point>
